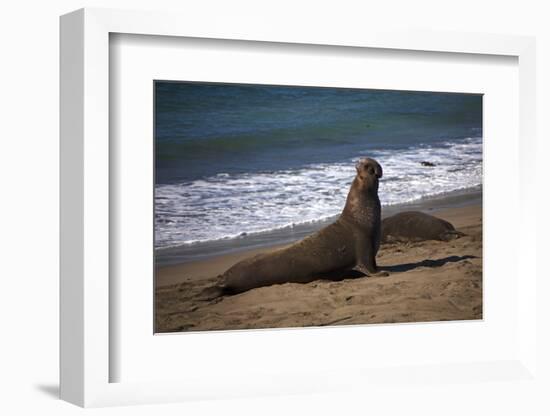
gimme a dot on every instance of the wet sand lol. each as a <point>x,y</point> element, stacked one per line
<point>429,281</point>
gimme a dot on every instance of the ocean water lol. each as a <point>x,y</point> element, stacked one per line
<point>238,160</point>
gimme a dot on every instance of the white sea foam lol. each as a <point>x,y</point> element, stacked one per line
<point>228,206</point>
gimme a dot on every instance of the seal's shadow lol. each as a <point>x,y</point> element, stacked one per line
<point>353,274</point>
<point>425,263</point>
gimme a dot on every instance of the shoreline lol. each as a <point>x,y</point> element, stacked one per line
<point>184,254</point>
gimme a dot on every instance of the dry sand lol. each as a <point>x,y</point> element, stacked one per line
<point>429,281</point>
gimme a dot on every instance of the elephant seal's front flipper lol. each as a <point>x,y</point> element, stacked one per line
<point>366,259</point>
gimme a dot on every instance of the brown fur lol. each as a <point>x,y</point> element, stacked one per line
<point>352,241</point>
<point>417,226</point>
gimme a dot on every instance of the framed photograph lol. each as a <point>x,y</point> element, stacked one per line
<point>293,208</point>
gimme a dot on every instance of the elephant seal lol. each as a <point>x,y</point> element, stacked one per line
<point>417,226</point>
<point>351,242</point>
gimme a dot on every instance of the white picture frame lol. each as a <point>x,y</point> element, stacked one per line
<point>85,220</point>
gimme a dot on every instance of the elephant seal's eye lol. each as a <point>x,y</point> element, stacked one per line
<point>371,170</point>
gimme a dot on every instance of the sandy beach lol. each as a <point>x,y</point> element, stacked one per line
<point>428,281</point>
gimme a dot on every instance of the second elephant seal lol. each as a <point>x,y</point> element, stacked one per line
<point>351,242</point>
<point>417,226</point>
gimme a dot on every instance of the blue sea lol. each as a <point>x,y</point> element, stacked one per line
<point>236,160</point>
